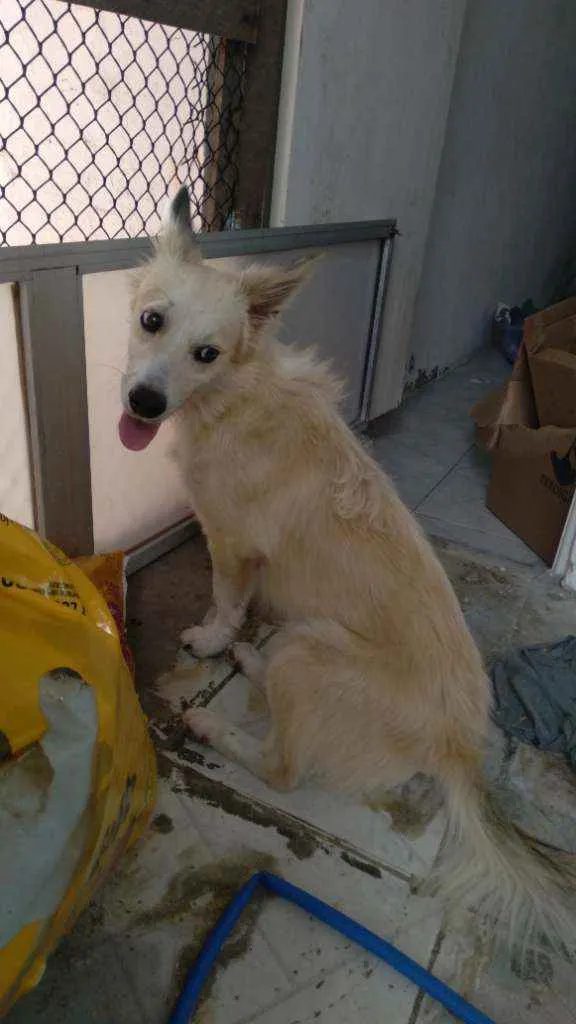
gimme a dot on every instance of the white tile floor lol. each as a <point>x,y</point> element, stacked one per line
<point>427,447</point>
<point>215,824</point>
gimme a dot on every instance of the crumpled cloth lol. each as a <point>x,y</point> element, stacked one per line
<point>535,696</point>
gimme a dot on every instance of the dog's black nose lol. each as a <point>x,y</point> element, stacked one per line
<point>146,402</point>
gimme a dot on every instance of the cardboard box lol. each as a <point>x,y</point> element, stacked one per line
<point>534,470</point>
<point>550,341</point>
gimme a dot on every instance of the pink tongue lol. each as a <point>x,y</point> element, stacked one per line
<point>134,434</point>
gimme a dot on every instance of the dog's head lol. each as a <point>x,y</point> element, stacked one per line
<point>193,325</point>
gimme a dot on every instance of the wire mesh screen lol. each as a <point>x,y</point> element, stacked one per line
<point>101,114</point>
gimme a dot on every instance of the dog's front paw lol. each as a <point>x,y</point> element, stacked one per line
<point>204,725</point>
<point>207,641</point>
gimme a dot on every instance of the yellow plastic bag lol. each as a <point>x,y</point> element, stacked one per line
<point>77,770</point>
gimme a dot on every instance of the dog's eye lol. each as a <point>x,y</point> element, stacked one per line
<point>151,320</point>
<point>205,354</point>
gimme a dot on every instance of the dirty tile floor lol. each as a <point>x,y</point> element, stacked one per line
<point>214,824</point>
<point>427,447</point>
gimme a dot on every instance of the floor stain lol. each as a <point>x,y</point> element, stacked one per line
<point>403,818</point>
<point>190,673</point>
<point>173,736</point>
<point>162,823</point>
<point>361,865</point>
<point>483,575</point>
<point>215,884</point>
<point>199,895</point>
<point>535,966</point>
<point>196,757</point>
<point>165,765</point>
<point>302,841</point>
<point>411,806</point>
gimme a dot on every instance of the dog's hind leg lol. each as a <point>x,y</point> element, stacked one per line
<point>328,723</point>
<point>332,710</point>
<point>251,663</point>
<point>293,677</point>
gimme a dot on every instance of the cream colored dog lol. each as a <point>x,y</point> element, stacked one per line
<point>373,675</point>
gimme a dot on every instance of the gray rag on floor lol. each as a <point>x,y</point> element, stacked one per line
<point>535,696</point>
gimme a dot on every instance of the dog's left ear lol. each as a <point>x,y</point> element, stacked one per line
<point>269,288</point>
<point>177,234</point>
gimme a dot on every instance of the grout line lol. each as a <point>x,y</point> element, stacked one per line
<point>462,526</point>
<point>443,478</point>
<point>297,990</point>
<point>288,977</point>
<point>471,542</point>
<point>421,995</point>
<point>130,977</point>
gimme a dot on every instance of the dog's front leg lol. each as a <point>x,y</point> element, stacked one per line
<point>232,586</point>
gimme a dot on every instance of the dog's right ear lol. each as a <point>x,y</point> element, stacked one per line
<point>177,235</point>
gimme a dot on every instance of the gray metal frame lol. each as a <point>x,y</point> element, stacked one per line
<point>52,318</point>
<point>49,279</point>
<point>236,20</point>
<point>17,263</point>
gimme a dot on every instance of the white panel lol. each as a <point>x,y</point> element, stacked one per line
<point>332,312</point>
<point>134,494</point>
<point>15,477</point>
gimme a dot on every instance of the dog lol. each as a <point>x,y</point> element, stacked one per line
<point>373,675</point>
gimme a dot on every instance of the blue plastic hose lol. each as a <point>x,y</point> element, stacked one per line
<point>188,1001</point>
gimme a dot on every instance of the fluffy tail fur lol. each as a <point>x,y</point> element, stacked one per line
<point>524,888</point>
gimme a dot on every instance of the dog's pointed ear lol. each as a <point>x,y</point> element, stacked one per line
<point>178,235</point>
<point>180,211</point>
<point>269,288</point>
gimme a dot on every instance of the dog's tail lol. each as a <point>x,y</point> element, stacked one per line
<point>523,887</point>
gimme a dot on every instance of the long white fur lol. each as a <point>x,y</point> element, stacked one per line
<point>374,675</point>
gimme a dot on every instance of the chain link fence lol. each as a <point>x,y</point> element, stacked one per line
<point>102,114</point>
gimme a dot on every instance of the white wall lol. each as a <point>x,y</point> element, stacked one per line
<point>505,208</point>
<point>366,92</point>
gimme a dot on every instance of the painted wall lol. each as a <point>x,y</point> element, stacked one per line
<point>365,99</point>
<point>504,216</point>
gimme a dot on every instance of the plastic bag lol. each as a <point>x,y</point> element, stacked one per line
<point>508,327</point>
<point>77,769</point>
